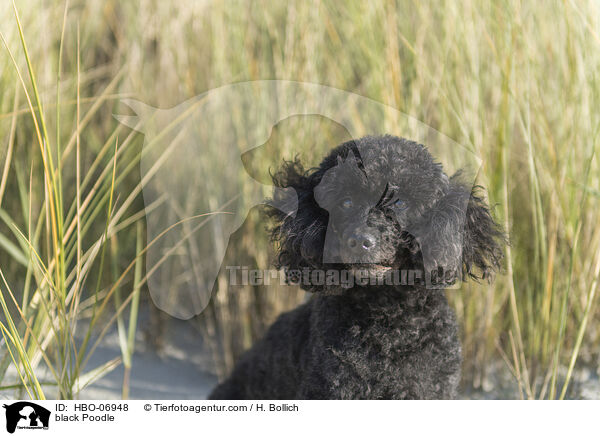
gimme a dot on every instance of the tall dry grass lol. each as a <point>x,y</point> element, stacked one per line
<point>515,81</point>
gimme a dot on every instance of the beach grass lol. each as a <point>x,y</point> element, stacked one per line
<point>516,82</point>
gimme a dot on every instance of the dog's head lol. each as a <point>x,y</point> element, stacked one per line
<point>382,203</point>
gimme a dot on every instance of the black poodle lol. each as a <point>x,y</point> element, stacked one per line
<point>380,232</point>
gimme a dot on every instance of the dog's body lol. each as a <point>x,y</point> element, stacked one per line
<point>359,345</point>
<point>375,205</point>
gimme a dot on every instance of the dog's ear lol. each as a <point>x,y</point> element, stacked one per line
<point>483,239</point>
<point>299,237</point>
<point>458,237</point>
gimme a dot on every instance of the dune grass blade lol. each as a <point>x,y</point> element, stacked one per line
<point>15,337</point>
<point>127,335</point>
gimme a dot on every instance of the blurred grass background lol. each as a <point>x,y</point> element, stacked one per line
<point>516,81</point>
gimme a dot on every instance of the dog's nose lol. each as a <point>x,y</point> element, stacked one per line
<point>360,243</point>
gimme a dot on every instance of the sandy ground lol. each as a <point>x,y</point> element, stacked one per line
<point>174,373</point>
<point>501,385</point>
<point>177,372</point>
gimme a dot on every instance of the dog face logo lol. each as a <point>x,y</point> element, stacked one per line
<point>26,415</point>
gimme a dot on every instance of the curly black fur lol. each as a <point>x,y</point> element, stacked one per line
<point>377,341</point>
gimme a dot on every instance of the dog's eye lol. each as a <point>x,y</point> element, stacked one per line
<point>346,203</point>
<point>399,204</point>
